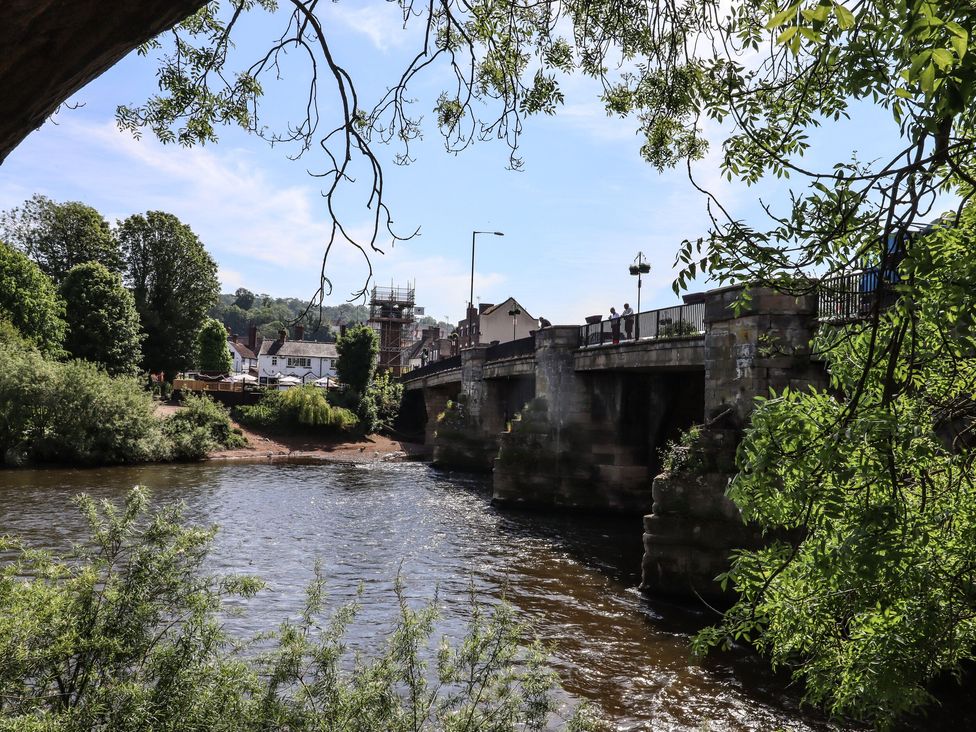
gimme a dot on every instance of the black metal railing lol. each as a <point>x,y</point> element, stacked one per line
<point>511,349</point>
<point>854,295</point>
<point>443,364</point>
<point>665,323</point>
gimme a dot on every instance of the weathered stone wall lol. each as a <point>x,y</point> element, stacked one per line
<point>694,527</point>
<point>467,438</point>
<point>575,448</point>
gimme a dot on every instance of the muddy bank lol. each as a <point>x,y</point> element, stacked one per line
<point>270,447</point>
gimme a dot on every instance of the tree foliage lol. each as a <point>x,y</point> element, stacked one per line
<point>74,413</point>
<point>174,282</point>
<point>868,490</point>
<point>201,426</point>
<point>29,301</point>
<point>243,298</point>
<point>356,364</point>
<point>127,634</point>
<point>298,408</point>
<point>103,325</point>
<point>212,349</point>
<point>59,236</point>
<point>386,394</point>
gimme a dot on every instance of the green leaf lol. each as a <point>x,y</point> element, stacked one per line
<point>927,78</point>
<point>942,58</point>
<point>787,34</point>
<point>783,17</point>
<point>845,18</point>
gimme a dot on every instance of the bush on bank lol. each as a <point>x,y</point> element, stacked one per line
<point>90,642</point>
<point>200,427</point>
<point>75,413</point>
<point>298,408</point>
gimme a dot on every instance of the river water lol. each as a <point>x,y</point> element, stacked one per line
<point>571,577</point>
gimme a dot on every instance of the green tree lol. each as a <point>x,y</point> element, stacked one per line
<point>29,301</point>
<point>103,325</point>
<point>869,486</point>
<point>59,236</point>
<point>356,364</point>
<point>243,298</point>
<point>174,282</point>
<point>213,351</point>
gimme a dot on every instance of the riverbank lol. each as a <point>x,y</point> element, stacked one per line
<point>268,447</point>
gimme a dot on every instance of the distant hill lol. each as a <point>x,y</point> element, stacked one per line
<point>242,309</point>
<point>271,314</point>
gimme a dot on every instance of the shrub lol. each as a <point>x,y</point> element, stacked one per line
<point>307,405</point>
<point>200,427</point>
<point>680,456</point>
<point>302,406</point>
<point>267,414</point>
<point>90,642</point>
<point>386,395</point>
<point>73,413</point>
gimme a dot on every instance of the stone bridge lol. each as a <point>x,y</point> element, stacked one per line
<point>574,419</point>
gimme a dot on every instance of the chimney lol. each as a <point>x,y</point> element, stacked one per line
<point>282,335</point>
<point>299,332</point>
<point>233,337</point>
<point>342,329</point>
<point>252,337</point>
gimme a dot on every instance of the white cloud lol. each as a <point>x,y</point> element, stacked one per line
<point>382,23</point>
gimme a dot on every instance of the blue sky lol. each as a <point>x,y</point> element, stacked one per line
<point>573,219</point>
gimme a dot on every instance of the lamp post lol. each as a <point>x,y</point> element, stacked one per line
<point>638,268</point>
<point>473,235</point>
<point>514,312</point>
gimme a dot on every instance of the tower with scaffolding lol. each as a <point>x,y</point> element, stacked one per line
<point>390,311</point>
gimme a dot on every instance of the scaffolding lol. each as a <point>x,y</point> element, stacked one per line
<point>390,311</point>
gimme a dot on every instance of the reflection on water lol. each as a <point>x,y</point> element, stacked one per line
<point>571,577</point>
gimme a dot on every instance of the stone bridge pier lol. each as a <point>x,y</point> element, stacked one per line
<point>693,527</point>
<point>492,392</point>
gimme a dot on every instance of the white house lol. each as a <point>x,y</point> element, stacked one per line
<point>305,360</point>
<point>244,357</point>
<point>493,323</point>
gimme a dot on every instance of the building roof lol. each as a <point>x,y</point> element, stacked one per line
<point>489,310</point>
<point>242,350</point>
<point>300,349</point>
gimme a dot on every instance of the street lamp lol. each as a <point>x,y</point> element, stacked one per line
<point>473,235</point>
<point>514,312</point>
<point>638,268</point>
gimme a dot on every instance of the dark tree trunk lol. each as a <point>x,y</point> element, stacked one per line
<point>51,48</point>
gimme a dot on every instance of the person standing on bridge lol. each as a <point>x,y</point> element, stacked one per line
<point>628,316</point>
<point>615,325</point>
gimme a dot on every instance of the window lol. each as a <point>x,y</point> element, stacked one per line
<point>274,360</point>
<point>300,363</point>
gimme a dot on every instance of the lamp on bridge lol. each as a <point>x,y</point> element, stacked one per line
<point>639,268</point>
<point>514,312</point>
<point>473,235</point>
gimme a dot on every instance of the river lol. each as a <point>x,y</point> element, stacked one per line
<point>572,577</point>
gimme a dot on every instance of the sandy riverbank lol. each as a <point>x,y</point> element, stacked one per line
<point>260,446</point>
